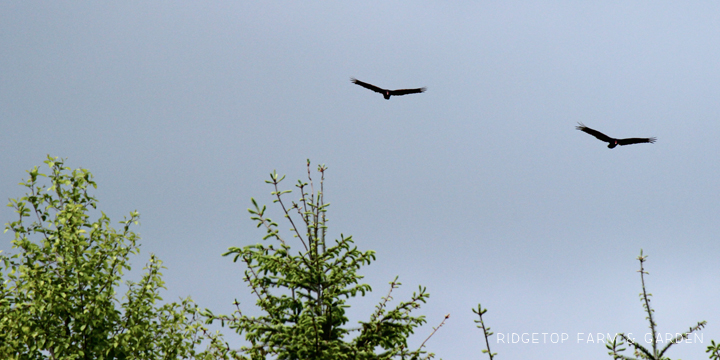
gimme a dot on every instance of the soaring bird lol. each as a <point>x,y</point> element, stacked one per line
<point>385,92</point>
<point>612,142</point>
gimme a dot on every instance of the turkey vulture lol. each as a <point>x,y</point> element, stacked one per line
<point>612,142</point>
<point>385,92</point>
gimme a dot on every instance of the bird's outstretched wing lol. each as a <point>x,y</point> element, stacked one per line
<point>594,133</point>
<point>368,86</point>
<point>630,141</point>
<point>407,91</point>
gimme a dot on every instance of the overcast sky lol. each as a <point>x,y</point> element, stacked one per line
<point>479,189</point>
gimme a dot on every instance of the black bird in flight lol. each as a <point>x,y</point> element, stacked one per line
<point>612,142</point>
<point>385,92</point>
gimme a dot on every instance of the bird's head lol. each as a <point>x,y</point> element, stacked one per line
<point>386,95</point>
<point>612,144</point>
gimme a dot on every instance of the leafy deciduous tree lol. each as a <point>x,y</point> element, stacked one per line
<point>58,295</point>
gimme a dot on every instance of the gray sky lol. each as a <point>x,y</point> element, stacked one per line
<point>479,189</point>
